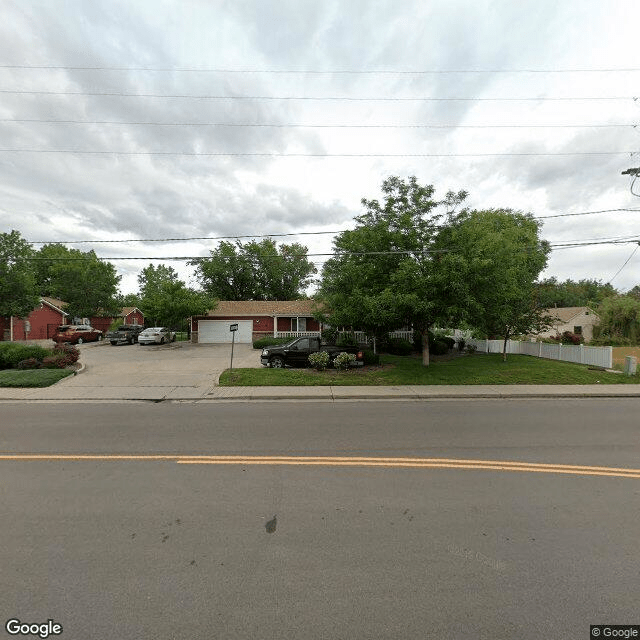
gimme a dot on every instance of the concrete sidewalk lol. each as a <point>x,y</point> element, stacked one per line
<point>62,393</point>
<point>186,372</point>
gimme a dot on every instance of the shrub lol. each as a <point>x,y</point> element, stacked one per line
<point>71,353</point>
<point>329,335</point>
<point>268,341</point>
<point>346,340</point>
<point>29,363</point>
<point>461,343</point>
<point>344,360</point>
<point>612,341</point>
<point>471,349</point>
<point>319,360</point>
<point>438,348</point>
<point>568,338</point>
<point>399,347</point>
<point>11,353</point>
<point>448,340</point>
<point>370,358</point>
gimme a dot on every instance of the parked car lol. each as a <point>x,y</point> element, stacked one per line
<point>125,334</point>
<point>76,334</point>
<point>156,335</point>
<point>296,353</point>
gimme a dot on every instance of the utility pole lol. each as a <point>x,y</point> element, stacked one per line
<point>635,172</point>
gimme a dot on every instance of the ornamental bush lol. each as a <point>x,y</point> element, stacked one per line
<point>399,347</point>
<point>319,360</point>
<point>438,348</point>
<point>11,353</point>
<point>346,340</point>
<point>344,360</point>
<point>370,358</point>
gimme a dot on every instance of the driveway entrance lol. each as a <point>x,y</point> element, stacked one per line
<point>171,371</point>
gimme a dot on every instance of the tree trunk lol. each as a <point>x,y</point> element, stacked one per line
<point>425,348</point>
<point>504,346</point>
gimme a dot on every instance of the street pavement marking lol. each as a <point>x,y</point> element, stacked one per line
<point>342,461</point>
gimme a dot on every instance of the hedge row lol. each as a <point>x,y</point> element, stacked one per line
<point>23,356</point>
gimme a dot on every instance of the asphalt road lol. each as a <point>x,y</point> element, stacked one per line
<point>181,546</point>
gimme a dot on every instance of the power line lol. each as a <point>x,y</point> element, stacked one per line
<point>323,126</point>
<point>221,154</point>
<point>318,71</point>
<point>279,235</point>
<point>265,235</point>
<point>633,253</point>
<point>320,98</point>
<point>315,255</point>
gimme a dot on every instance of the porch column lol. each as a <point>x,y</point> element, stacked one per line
<point>275,326</point>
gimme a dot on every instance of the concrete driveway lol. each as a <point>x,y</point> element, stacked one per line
<point>180,370</point>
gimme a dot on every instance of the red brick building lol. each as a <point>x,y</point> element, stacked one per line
<point>256,319</point>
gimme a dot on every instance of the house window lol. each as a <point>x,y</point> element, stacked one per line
<point>298,324</point>
<point>577,330</point>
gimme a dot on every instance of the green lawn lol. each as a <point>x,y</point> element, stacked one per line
<point>397,370</point>
<point>32,377</point>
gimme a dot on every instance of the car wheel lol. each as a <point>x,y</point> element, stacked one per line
<point>114,342</point>
<point>80,341</point>
<point>277,362</point>
<point>129,340</point>
<point>162,340</point>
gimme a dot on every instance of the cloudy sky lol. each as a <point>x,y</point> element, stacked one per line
<point>157,119</point>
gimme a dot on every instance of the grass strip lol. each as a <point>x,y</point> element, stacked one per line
<point>32,377</point>
<point>466,370</point>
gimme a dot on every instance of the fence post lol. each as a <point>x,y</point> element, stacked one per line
<point>486,345</point>
<point>539,349</point>
<point>581,354</point>
<point>610,354</point>
<point>559,350</point>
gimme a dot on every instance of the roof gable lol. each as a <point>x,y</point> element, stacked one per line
<point>305,308</point>
<point>55,304</point>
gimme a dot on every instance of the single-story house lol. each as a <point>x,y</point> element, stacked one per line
<point>40,324</point>
<point>579,320</point>
<point>256,319</point>
<point>128,315</point>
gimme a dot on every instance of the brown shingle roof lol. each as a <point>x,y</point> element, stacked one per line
<point>565,314</point>
<point>302,308</point>
<point>127,310</point>
<point>54,302</point>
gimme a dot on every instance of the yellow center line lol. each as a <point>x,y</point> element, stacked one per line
<point>342,461</point>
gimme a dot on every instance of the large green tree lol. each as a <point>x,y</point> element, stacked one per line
<point>166,300</point>
<point>255,271</point>
<point>152,279</point>
<point>384,275</point>
<point>497,256</point>
<point>89,285</point>
<point>619,320</point>
<point>569,293</point>
<point>18,289</point>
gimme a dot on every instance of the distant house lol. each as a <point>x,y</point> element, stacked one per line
<point>40,324</point>
<point>579,320</point>
<point>128,315</point>
<point>132,315</point>
<point>256,319</point>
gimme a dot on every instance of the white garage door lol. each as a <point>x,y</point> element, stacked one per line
<point>217,331</point>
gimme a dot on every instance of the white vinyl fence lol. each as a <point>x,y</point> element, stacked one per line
<point>580,354</point>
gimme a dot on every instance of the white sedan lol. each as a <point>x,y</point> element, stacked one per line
<point>156,335</point>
